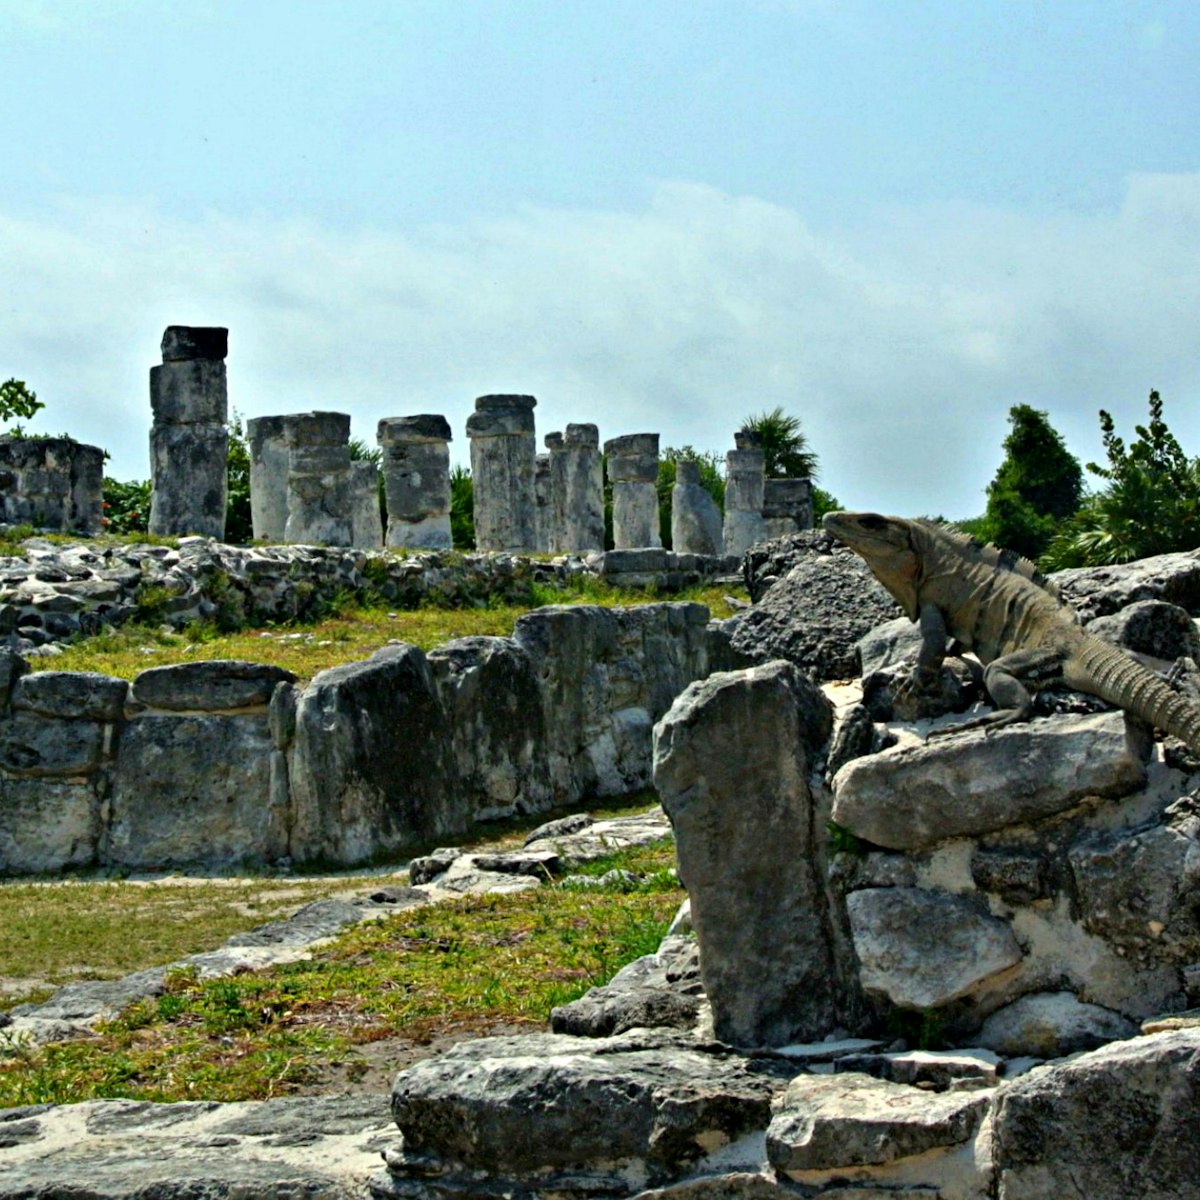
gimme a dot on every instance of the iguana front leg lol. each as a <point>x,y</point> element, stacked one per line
<point>919,694</point>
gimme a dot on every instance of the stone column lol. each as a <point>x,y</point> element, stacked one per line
<point>416,479</point>
<point>503,450</point>
<point>319,497</point>
<point>745,474</point>
<point>577,487</point>
<point>548,506</point>
<point>787,506</point>
<point>695,518</point>
<point>268,477</point>
<point>51,483</point>
<point>189,441</point>
<point>633,470</point>
<point>366,521</point>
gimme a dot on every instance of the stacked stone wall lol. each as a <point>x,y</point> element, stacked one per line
<point>214,764</point>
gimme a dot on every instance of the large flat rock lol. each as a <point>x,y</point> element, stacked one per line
<point>129,1150</point>
<point>975,782</point>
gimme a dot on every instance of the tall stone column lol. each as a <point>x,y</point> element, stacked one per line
<point>577,488</point>
<point>268,477</point>
<point>416,480</point>
<point>503,450</point>
<point>547,505</point>
<point>189,441</point>
<point>695,518</point>
<point>787,506</point>
<point>319,492</point>
<point>633,470</point>
<point>366,521</point>
<point>745,474</point>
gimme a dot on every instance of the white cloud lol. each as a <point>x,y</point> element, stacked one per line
<point>900,344</point>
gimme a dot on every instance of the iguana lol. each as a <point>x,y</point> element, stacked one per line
<point>994,603</point>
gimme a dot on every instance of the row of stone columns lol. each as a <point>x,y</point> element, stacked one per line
<point>305,488</point>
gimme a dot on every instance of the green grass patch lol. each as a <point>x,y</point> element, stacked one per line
<point>460,967</point>
<point>354,632</point>
<point>55,933</point>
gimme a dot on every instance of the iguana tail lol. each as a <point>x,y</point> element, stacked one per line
<point>1103,670</point>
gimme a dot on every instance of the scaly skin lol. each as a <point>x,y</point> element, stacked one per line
<point>994,603</point>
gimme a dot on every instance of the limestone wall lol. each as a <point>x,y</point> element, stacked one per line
<point>218,763</point>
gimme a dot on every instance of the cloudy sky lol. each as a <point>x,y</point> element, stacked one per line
<point>895,219</point>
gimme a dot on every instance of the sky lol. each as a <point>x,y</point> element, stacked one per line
<point>894,220</point>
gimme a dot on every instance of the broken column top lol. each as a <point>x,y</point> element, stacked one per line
<point>316,428</point>
<point>504,403</point>
<point>582,435</point>
<point>748,439</point>
<point>181,343</point>
<point>632,443</point>
<point>687,470</point>
<point>423,427</point>
<point>554,441</point>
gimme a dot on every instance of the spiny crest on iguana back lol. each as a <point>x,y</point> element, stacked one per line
<point>985,552</point>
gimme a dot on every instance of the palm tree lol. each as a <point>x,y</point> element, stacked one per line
<point>784,446</point>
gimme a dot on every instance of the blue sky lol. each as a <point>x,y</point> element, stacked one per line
<point>894,220</point>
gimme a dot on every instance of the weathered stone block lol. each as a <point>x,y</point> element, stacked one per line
<point>268,477</point>
<point>188,467</point>
<point>32,745</point>
<point>193,790</point>
<point>47,824</point>
<point>983,780</point>
<point>72,694</point>
<point>924,949</point>
<point>492,698</point>
<point>730,767</point>
<point>1051,1025</point>
<point>183,342</point>
<point>1120,1122</point>
<point>209,686</point>
<point>194,392</point>
<point>371,768</point>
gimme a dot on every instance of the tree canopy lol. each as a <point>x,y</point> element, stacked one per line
<point>784,445</point>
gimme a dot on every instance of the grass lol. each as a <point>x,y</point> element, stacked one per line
<point>457,968</point>
<point>354,632</point>
<point>51,934</point>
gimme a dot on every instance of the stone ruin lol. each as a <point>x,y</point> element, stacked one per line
<point>189,440</point>
<point>1025,896</point>
<point>51,483</point>
<point>305,488</point>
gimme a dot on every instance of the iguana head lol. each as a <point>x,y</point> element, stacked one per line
<point>887,545</point>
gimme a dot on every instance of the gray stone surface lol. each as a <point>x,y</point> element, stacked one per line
<point>1099,591</point>
<point>208,686</point>
<point>522,1106</point>
<point>194,790</point>
<point>856,1121</point>
<point>730,767</point>
<point>191,392</point>
<point>188,465</point>
<point>695,518</point>
<point>416,474</point>
<point>85,695</point>
<point>366,520</point>
<point>983,780</point>
<point>1050,1025</point>
<point>577,488</point>
<point>52,483</point>
<point>492,697</point>
<point>47,824</point>
<point>320,495</point>
<point>923,949</point>
<point>1151,627</point>
<point>33,746</point>
<point>324,1147</point>
<point>846,1121</point>
<point>371,770</point>
<point>632,467</point>
<point>934,1070</point>
<point>268,477</point>
<point>181,343</point>
<point>1120,1122</point>
<point>787,506</point>
<point>1139,889</point>
<point>744,478</point>
<point>812,605</point>
<point>503,449</point>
